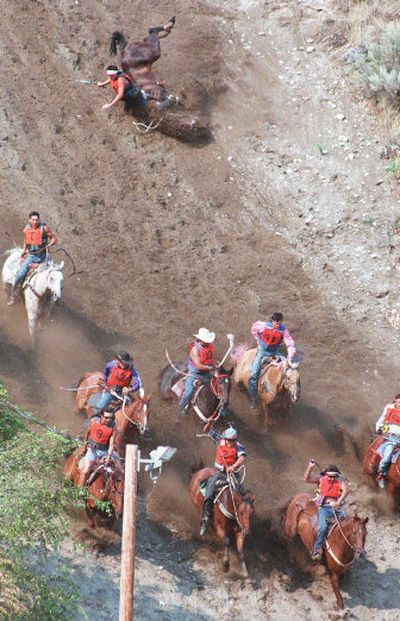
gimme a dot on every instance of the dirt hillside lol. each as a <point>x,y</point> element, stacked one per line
<point>287,209</point>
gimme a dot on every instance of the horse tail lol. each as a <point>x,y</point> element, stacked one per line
<point>237,352</point>
<point>117,38</point>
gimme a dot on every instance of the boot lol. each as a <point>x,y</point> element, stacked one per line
<point>203,525</point>
<point>253,401</point>
<point>380,479</point>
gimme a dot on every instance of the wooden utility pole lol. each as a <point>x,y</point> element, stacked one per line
<point>126,597</point>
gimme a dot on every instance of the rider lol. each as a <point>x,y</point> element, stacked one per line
<point>229,456</point>
<point>332,490</point>
<point>269,335</point>
<point>38,238</point>
<point>122,378</point>
<point>100,441</point>
<point>201,362</point>
<point>389,424</point>
<point>125,89</point>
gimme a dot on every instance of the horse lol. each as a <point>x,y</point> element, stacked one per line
<point>41,289</point>
<point>280,379</point>
<point>232,514</point>
<point>105,483</point>
<point>130,419</point>
<point>344,543</point>
<point>371,463</point>
<point>210,398</point>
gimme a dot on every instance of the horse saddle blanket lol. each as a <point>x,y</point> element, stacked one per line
<point>179,387</point>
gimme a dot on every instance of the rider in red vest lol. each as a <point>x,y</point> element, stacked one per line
<point>389,425</point>
<point>229,457</point>
<point>125,89</point>
<point>332,490</point>
<point>122,378</point>
<point>270,336</point>
<point>201,362</point>
<point>38,239</point>
<point>100,441</point>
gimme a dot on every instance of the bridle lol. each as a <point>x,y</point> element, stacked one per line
<point>28,285</point>
<point>329,548</point>
<point>141,426</point>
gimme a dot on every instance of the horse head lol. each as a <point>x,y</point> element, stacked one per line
<point>358,534</point>
<point>221,384</point>
<point>292,381</point>
<point>136,413</point>
<point>54,281</point>
<point>115,488</point>
<point>245,512</point>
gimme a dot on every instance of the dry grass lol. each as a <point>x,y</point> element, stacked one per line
<point>367,18</point>
<point>388,124</point>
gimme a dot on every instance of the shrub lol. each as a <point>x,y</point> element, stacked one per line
<point>381,67</point>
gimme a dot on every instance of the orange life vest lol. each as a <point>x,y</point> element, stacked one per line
<point>392,416</point>
<point>100,435</point>
<point>206,352</point>
<point>270,337</point>
<point>35,239</point>
<point>329,488</point>
<point>225,455</point>
<point>119,377</point>
<point>115,83</point>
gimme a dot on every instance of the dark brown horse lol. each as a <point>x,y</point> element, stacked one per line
<point>345,541</point>
<point>371,463</point>
<point>130,418</point>
<point>209,400</point>
<point>240,509</point>
<point>105,484</point>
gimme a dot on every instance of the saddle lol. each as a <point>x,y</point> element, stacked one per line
<point>269,361</point>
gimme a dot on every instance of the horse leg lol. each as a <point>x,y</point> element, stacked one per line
<point>225,561</point>
<point>334,578</point>
<point>239,546</point>
<point>90,517</point>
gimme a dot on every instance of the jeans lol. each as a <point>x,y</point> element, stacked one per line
<point>261,353</point>
<point>23,270</point>
<point>189,386</point>
<point>386,451</point>
<point>324,514</point>
<point>99,401</point>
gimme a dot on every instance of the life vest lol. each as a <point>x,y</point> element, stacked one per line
<point>329,488</point>
<point>225,455</point>
<point>35,239</point>
<point>115,83</point>
<point>119,377</point>
<point>272,338</point>
<point>99,435</point>
<point>207,354</point>
<point>392,416</point>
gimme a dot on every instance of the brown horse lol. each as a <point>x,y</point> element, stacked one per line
<point>105,483</point>
<point>130,419</point>
<point>239,508</point>
<point>345,541</point>
<point>279,381</point>
<point>371,463</point>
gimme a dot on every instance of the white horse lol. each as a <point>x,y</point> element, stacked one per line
<point>41,289</point>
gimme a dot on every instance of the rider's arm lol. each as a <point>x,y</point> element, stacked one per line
<point>289,342</point>
<point>136,382</point>
<point>307,475</point>
<point>24,249</point>
<point>86,436</point>
<point>108,368</point>
<point>257,328</point>
<point>215,436</point>
<point>381,420</point>
<point>343,493</point>
<point>119,95</point>
<point>111,446</point>
<point>240,460</point>
<point>104,83</point>
<point>51,236</point>
<point>195,356</point>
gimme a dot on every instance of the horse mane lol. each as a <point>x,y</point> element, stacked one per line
<point>238,351</point>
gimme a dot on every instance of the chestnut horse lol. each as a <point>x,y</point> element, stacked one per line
<point>345,540</point>
<point>280,379</point>
<point>371,463</point>
<point>105,483</point>
<point>130,419</point>
<point>239,508</point>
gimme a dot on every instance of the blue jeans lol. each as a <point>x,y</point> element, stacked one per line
<point>23,270</point>
<point>261,353</point>
<point>189,386</point>
<point>324,514</point>
<point>99,401</point>
<point>386,451</point>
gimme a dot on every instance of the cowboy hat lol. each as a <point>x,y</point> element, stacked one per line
<point>205,335</point>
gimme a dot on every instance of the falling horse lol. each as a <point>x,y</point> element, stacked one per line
<point>278,382</point>
<point>210,397</point>
<point>233,512</point>
<point>345,540</point>
<point>371,461</point>
<point>105,484</point>
<point>130,419</point>
<point>41,289</point>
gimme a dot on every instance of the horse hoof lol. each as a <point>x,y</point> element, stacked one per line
<point>244,572</point>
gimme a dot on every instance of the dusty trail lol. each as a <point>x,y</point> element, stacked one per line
<point>171,238</point>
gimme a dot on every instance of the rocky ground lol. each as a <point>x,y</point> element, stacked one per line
<point>288,208</point>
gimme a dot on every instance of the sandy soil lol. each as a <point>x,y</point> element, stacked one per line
<point>221,235</point>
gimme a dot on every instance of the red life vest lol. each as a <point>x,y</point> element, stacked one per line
<point>115,83</point>
<point>271,337</point>
<point>207,353</point>
<point>225,455</point>
<point>119,377</point>
<point>100,435</point>
<point>392,416</point>
<point>35,239</point>
<point>329,488</point>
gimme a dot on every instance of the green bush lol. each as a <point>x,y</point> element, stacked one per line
<point>381,68</point>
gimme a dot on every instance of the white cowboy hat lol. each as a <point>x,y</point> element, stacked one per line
<point>205,335</point>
